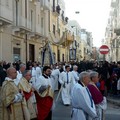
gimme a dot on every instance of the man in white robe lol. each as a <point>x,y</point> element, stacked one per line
<point>19,73</point>
<point>55,77</point>
<point>66,79</point>
<point>83,107</point>
<point>75,73</point>
<point>44,95</point>
<point>38,72</point>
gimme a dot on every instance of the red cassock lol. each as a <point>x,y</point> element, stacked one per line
<point>44,105</point>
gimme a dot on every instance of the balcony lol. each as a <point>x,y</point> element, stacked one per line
<point>117,31</point>
<point>34,1</point>
<point>45,5</point>
<point>65,20</point>
<point>69,39</point>
<point>56,10</point>
<point>23,25</point>
<point>6,15</point>
<point>36,32</point>
<point>65,40</point>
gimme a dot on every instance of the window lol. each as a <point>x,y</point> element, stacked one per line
<point>42,22</point>
<point>63,58</point>
<point>16,54</point>
<point>59,31</point>
<point>16,12</point>
<point>58,57</point>
<point>54,29</point>
<point>53,5</point>
<point>7,2</point>
<point>38,19</point>
<point>31,18</point>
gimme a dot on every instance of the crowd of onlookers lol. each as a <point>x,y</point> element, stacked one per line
<point>109,73</point>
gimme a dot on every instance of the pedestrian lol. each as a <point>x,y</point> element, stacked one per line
<point>75,73</point>
<point>28,92</point>
<point>55,77</point>
<point>67,81</point>
<point>83,107</point>
<point>118,86</point>
<point>12,103</point>
<point>99,100</point>
<point>22,68</point>
<point>2,74</point>
<point>102,85</point>
<point>44,95</point>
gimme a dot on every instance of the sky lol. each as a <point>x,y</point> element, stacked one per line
<point>93,16</point>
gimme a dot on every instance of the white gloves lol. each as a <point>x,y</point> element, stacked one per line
<point>18,97</point>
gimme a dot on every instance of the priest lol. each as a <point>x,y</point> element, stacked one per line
<point>28,93</point>
<point>12,103</point>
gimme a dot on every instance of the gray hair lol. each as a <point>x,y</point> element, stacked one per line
<point>25,72</point>
<point>75,66</point>
<point>93,74</point>
<point>22,65</point>
<point>82,75</point>
<point>9,70</point>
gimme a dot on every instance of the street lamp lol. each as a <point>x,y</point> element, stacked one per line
<point>77,12</point>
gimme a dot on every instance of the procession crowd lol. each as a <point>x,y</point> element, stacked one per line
<point>27,90</point>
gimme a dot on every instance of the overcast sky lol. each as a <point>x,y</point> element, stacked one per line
<point>93,16</point>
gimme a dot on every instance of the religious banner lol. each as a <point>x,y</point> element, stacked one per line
<point>47,55</point>
<point>72,54</point>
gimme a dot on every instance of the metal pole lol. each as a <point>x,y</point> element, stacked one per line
<point>26,33</point>
<point>103,58</point>
<point>1,30</point>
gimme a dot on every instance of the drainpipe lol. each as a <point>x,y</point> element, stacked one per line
<point>1,31</point>
<point>26,33</point>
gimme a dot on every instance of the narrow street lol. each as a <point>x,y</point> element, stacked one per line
<point>62,112</point>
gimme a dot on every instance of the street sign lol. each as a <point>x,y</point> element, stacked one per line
<point>104,49</point>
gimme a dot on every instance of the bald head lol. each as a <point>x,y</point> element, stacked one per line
<point>12,73</point>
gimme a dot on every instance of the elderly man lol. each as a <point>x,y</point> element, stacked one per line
<point>28,92</point>
<point>82,104</point>
<point>75,73</point>
<point>11,99</point>
<point>19,73</point>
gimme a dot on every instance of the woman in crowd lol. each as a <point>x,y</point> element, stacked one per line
<point>102,84</point>
<point>99,100</point>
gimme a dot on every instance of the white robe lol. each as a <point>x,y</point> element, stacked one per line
<point>34,74</point>
<point>81,104</point>
<point>118,85</point>
<point>41,81</point>
<point>55,77</point>
<point>38,72</point>
<point>66,92</point>
<point>76,75</point>
<point>19,77</point>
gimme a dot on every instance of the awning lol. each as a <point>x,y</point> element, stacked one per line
<point>66,39</point>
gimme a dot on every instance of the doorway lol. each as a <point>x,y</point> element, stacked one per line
<point>32,52</point>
